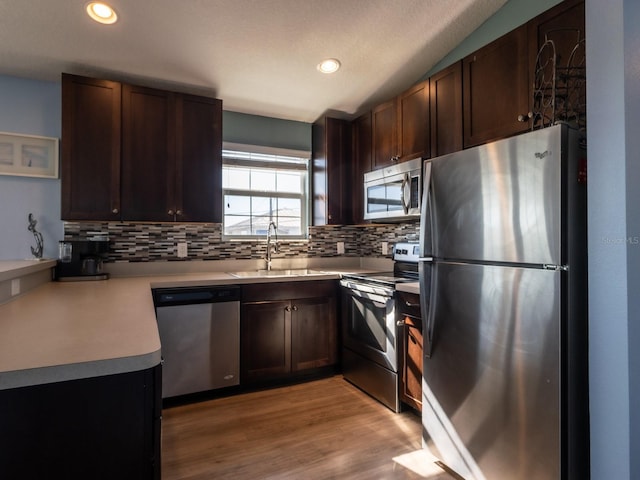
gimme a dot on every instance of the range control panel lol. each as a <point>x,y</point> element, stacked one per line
<point>406,252</point>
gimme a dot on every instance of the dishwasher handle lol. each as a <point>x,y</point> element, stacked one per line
<point>165,297</point>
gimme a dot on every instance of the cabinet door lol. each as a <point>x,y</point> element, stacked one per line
<point>90,146</point>
<point>265,340</point>
<point>332,187</point>
<point>148,154</point>
<point>384,134</point>
<point>563,24</point>
<point>313,333</point>
<point>361,127</point>
<point>199,159</point>
<point>496,89</point>
<point>411,349</point>
<point>413,122</point>
<point>446,110</point>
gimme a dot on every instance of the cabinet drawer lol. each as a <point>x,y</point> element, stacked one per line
<point>408,304</point>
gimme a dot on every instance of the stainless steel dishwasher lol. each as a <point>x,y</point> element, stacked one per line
<point>200,335</point>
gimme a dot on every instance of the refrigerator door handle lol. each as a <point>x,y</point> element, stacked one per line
<point>426,225</point>
<point>427,297</point>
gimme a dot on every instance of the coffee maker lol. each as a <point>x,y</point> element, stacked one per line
<point>81,260</point>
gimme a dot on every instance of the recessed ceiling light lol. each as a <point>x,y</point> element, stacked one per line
<point>102,13</point>
<point>329,65</point>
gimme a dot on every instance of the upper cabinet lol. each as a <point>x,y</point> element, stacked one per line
<point>161,158</point>
<point>496,93</point>
<point>446,110</point>
<point>400,127</point>
<point>384,124</point>
<point>505,90</point>
<point>90,167</point>
<point>413,122</point>
<point>560,31</point>
<point>332,172</point>
<point>362,153</point>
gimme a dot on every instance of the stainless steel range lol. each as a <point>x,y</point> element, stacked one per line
<point>369,330</point>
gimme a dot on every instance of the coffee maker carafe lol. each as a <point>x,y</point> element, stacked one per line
<point>81,260</point>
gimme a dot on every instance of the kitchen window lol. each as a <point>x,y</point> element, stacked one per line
<point>263,185</point>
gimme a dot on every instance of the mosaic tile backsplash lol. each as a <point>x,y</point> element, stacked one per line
<point>148,242</point>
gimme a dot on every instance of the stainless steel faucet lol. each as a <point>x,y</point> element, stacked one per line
<point>275,244</point>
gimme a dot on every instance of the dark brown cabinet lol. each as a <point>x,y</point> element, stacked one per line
<point>100,428</point>
<point>171,157</point>
<point>90,148</point>
<point>331,170</point>
<point>410,335</point>
<point>496,92</point>
<point>413,122</point>
<point>287,329</point>
<point>446,110</point>
<point>361,128</point>
<point>384,131</point>
<point>139,154</point>
<point>564,26</point>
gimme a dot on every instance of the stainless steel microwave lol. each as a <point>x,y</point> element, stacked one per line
<point>393,193</point>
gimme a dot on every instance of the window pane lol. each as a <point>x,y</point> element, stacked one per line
<point>261,206</point>
<point>236,178</point>
<point>237,225</point>
<point>263,180</point>
<point>237,205</point>
<point>289,182</point>
<point>289,207</point>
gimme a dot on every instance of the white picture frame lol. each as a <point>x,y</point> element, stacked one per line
<point>28,155</point>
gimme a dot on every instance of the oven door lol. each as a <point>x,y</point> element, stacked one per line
<point>368,325</point>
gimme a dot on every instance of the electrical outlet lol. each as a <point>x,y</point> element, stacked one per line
<point>340,247</point>
<point>385,248</point>
<point>182,250</point>
<point>15,287</point>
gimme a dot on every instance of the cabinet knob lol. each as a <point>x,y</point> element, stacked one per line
<point>115,210</point>
<point>525,117</point>
<point>295,308</point>
<point>170,212</point>
<point>178,212</point>
<point>287,308</point>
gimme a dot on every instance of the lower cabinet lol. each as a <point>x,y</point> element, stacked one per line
<point>410,335</point>
<point>99,428</point>
<point>287,329</point>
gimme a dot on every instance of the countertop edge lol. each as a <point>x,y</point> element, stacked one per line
<point>78,371</point>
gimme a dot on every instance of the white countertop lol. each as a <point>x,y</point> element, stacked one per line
<point>70,330</point>
<point>17,268</point>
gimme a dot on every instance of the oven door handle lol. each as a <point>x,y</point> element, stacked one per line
<point>378,300</point>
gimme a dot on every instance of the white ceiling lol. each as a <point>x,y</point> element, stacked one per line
<point>258,56</point>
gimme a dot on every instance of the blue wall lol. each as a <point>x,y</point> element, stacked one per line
<point>29,107</point>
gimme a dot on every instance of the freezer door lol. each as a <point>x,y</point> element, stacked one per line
<point>499,202</point>
<point>491,392</point>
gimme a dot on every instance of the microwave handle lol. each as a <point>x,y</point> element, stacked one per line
<point>405,188</point>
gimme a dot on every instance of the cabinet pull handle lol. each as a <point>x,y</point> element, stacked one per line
<point>409,304</point>
<point>400,323</point>
<point>525,117</point>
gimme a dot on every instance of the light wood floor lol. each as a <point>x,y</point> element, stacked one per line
<point>324,429</point>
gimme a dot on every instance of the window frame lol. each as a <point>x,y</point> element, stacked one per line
<point>269,151</point>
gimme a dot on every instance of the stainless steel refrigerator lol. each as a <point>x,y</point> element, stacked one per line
<point>503,284</point>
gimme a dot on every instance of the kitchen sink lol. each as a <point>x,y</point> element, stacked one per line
<point>276,273</point>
